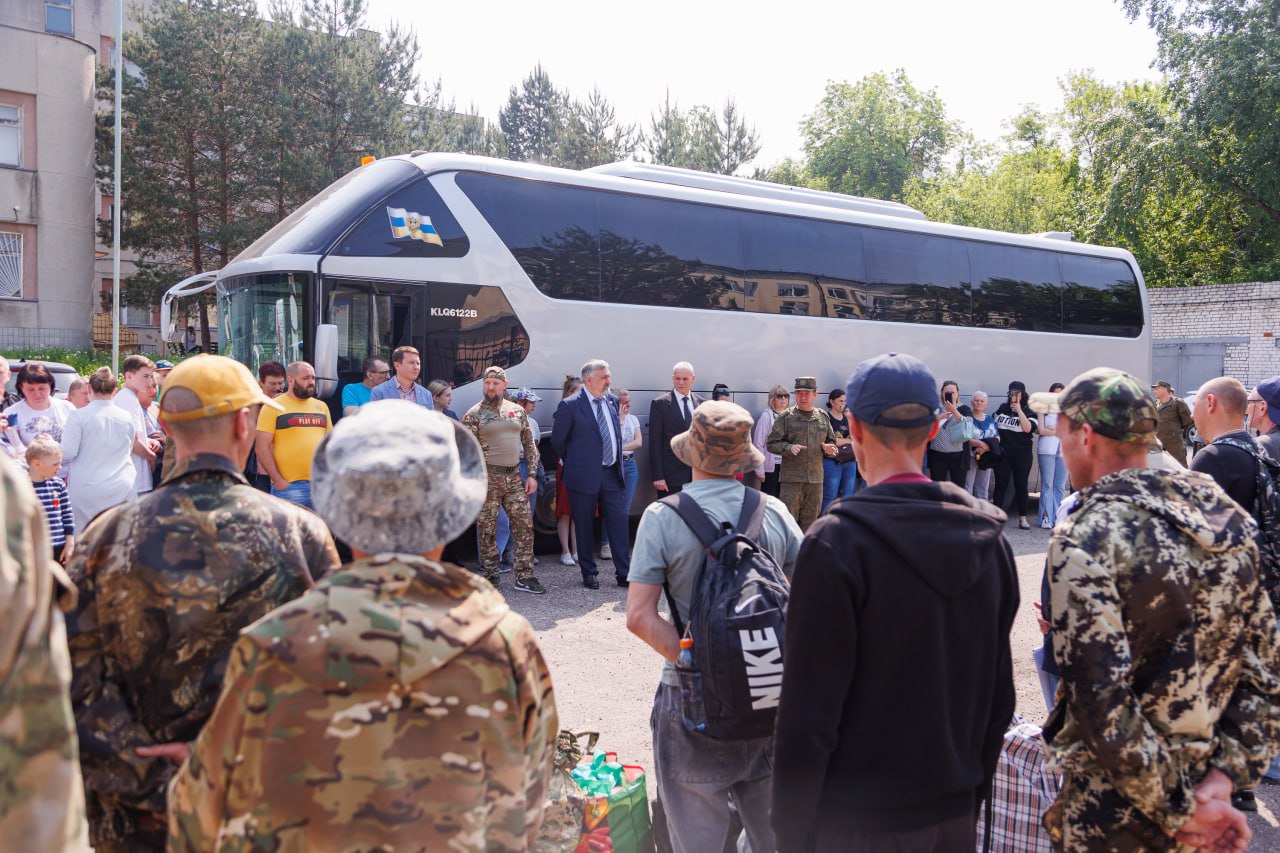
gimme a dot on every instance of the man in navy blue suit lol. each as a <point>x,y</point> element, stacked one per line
<point>588,439</point>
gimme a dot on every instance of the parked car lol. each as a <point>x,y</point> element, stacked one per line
<point>62,375</point>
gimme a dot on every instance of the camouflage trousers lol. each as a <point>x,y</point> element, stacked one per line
<point>1089,815</point>
<point>506,491</point>
<point>803,501</point>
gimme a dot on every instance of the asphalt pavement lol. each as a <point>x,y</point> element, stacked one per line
<point>604,677</point>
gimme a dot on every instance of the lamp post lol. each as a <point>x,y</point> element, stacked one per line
<point>115,208</point>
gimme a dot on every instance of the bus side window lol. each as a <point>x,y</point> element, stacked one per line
<point>1100,297</point>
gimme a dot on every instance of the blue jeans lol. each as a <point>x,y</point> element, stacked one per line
<point>1053,485</point>
<point>630,479</point>
<point>696,776</point>
<point>838,480</point>
<point>298,492</point>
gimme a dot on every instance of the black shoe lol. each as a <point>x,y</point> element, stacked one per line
<point>623,582</point>
<point>590,582</point>
<point>1244,801</point>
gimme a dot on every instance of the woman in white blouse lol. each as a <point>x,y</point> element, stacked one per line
<point>767,473</point>
<point>97,448</point>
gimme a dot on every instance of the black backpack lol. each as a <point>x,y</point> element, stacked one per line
<point>737,619</point>
<point>1265,511</point>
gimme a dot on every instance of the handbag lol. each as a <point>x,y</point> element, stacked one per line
<point>961,431</point>
<point>844,453</point>
<point>990,459</point>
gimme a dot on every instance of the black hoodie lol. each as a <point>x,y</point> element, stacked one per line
<point>897,681</point>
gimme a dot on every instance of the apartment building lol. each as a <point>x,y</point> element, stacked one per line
<point>53,268</point>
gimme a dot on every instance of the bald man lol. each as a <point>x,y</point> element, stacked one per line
<point>1219,416</point>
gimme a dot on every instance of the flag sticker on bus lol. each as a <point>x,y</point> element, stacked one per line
<point>411,224</point>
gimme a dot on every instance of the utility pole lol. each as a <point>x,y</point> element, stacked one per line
<point>115,208</point>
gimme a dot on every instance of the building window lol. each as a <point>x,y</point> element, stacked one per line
<point>10,265</point>
<point>10,136</point>
<point>58,17</point>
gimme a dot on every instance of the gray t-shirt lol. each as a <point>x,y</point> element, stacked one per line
<point>666,550</point>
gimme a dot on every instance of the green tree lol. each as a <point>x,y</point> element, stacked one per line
<point>438,125</point>
<point>533,118</point>
<point>190,112</point>
<point>701,138</point>
<point>871,137</point>
<point>592,135</point>
<point>1022,186</point>
<point>347,84</point>
<point>1222,59</point>
<point>1133,188</point>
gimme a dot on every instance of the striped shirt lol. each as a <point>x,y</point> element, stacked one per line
<point>57,508</point>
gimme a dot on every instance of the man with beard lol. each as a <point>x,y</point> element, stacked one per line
<point>503,429</point>
<point>288,439</point>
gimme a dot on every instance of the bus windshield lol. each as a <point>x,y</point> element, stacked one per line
<point>262,317</point>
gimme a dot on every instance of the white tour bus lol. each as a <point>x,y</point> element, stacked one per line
<point>476,261</point>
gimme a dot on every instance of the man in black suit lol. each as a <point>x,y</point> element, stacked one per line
<point>587,437</point>
<point>669,415</point>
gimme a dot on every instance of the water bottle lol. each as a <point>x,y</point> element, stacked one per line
<point>691,707</point>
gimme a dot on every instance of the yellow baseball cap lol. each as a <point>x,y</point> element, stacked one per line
<point>223,385</point>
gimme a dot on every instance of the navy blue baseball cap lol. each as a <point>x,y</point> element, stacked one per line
<point>890,380</point>
<point>1269,391</point>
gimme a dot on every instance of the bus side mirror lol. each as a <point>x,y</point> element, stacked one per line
<point>326,360</point>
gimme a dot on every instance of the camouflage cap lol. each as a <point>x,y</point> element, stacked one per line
<point>495,372</point>
<point>1113,403</point>
<point>525,394</point>
<point>718,440</point>
<point>806,383</point>
<point>404,480</point>
<point>1163,383</point>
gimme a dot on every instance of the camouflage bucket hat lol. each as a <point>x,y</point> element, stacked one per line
<point>1114,403</point>
<point>718,440</point>
<point>403,479</point>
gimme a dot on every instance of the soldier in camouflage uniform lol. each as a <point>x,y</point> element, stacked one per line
<point>1166,644</point>
<point>166,583</point>
<point>400,705</point>
<point>503,430</point>
<point>41,795</point>
<point>802,436</point>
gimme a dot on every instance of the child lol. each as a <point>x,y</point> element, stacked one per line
<point>44,458</point>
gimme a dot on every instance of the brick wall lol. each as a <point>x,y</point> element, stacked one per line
<point>1224,311</point>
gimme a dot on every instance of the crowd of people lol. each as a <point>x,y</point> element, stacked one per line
<point>189,664</point>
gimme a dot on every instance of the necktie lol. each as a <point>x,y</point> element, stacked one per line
<point>687,417</point>
<point>606,435</point>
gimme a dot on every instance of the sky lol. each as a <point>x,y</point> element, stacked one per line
<point>985,58</point>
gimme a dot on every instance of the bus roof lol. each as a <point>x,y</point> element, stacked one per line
<point>751,187</point>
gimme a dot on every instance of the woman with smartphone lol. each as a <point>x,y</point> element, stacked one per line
<point>946,453</point>
<point>1017,436</point>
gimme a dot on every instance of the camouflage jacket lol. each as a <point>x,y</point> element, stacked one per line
<point>812,429</point>
<point>502,431</point>
<point>166,583</point>
<point>41,796</point>
<point>400,705</point>
<point>1167,645</point>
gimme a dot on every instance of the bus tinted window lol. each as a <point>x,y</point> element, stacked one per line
<point>597,245</point>
<point>1100,297</point>
<point>1015,288</point>
<point>313,227</point>
<point>412,223</point>
<point>917,278</point>
<point>803,266</point>
<point>659,252</point>
<point>551,229</point>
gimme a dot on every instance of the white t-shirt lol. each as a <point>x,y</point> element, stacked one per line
<point>33,423</point>
<point>630,426</point>
<point>127,399</point>
<point>1048,443</point>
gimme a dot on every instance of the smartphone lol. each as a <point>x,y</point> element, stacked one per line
<point>951,396</point>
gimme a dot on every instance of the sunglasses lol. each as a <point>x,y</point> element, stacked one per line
<point>782,396</point>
